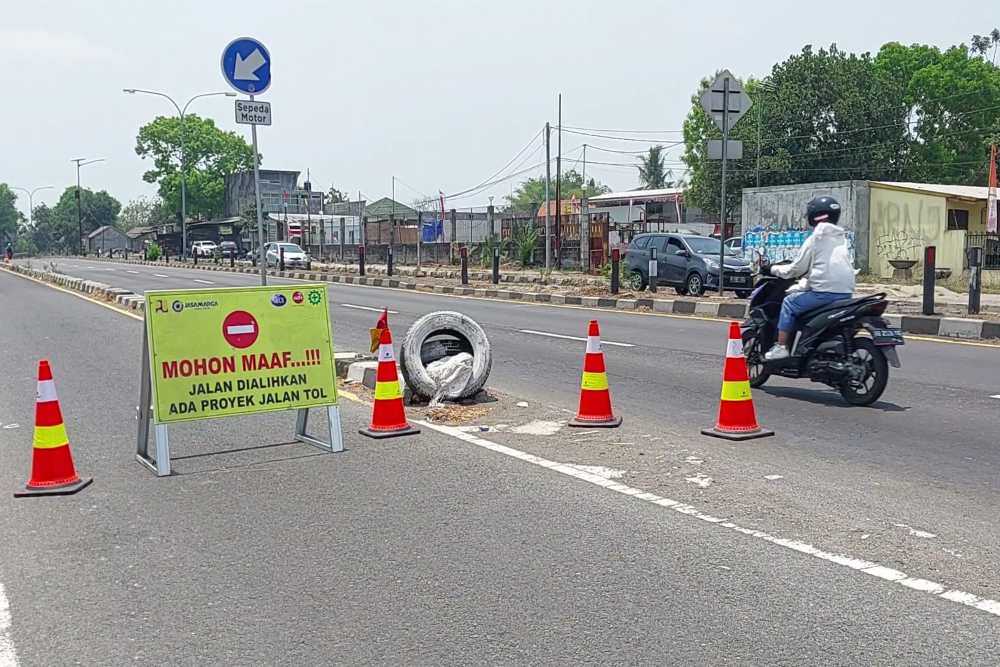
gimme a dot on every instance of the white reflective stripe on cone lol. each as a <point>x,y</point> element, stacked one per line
<point>734,348</point>
<point>46,391</point>
<point>385,353</point>
<point>593,344</point>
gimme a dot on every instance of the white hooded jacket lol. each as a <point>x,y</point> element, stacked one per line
<point>823,260</point>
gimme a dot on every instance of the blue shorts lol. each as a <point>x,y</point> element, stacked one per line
<point>797,303</point>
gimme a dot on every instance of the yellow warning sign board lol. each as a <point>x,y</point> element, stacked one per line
<point>239,350</point>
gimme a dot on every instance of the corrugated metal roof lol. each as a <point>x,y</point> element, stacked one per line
<point>964,191</point>
<point>667,194</point>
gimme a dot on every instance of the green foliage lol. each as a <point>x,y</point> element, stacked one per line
<point>486,250</point>
<point>153,252</point>
<point>910,113</point>
<point>57,229</point>
<point>605,271</point>
<point>532,191</point>
<point>209,155</point>
<point>9,215</point>
<point>335,196</point>
<point>525,237</point>
<point>653,174</point>
<point>143,212</point>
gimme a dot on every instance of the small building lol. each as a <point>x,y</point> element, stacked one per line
<point>279,193</point>
<point>660,210</point>
<point>106,238</point>
<point>139,237</point>
<point>885,222</point>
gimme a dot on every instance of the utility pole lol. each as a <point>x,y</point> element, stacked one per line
<point>585,170</point>
<point>548,177</point>
<point>559,188</point>
<point>81,162</point>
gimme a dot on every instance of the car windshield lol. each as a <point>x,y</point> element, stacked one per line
<point>703,245</point>
<point>707,246</point>
<point>290,247</point>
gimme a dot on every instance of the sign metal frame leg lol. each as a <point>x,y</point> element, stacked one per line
<point>336,442</point>
<point>144,412</point>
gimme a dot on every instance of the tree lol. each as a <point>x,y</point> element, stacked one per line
<point>43,232</point>
<point>143,212</point>
<point>335,196</point>
<point>9,215</point>
<point>983,44</point>
<point>827,116</point>
<point>653,173</point>
<point>532,191</point>
<point>96,209</point>
<point>210,155</point>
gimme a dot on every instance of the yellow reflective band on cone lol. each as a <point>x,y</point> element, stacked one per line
<point>50,437</point>
<point>594,381</point>
<point>736,391</point>
<point>385,391</point>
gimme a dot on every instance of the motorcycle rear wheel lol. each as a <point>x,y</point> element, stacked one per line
<point>869,388</point>
<point>755,360</point>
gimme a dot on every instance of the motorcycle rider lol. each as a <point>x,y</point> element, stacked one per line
<point>825,263</point>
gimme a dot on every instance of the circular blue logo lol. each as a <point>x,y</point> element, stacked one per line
<point>278,300</point>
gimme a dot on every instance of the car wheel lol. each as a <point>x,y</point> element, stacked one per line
<point>695,286</point>
<point>743,294</point>
<point>636,281</point>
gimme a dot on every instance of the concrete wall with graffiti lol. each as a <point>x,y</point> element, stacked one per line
<point>903,223</point>
<point>774,222</point>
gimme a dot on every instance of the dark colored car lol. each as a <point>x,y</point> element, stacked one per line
<point>228,249</point>
<point>687,262</point>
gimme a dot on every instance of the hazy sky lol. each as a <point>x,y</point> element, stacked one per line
<point>440,94</point>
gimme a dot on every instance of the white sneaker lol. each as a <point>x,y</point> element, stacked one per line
<point>776,353</point>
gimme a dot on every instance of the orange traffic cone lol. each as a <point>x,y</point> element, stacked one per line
<point>737,417</point>
<point>52,469</point>
<point>388,415</point>
<point>595,399</point>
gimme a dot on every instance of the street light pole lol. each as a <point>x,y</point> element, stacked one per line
<point>81,162</point>
<point>181,114</point>
<point>31,198</point>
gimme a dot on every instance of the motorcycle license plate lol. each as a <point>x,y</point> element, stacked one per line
<point>888,337</point>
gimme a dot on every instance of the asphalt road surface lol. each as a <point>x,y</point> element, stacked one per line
<point>427,551</point>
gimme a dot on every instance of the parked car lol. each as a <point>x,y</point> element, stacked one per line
<point>735,245</point>
<point>686,262</point>
<point>228,249</point>
<point>295,256</point>
<point>203,248</point>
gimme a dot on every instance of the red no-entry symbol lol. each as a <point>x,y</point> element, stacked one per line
<point>240,329</point>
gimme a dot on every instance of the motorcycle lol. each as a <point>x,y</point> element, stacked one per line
<point>846,344</point>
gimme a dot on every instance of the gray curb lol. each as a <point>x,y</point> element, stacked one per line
<point>924,325</point>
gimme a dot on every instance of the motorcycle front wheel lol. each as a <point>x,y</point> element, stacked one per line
<point>868,373</point>
<point>755,360</point>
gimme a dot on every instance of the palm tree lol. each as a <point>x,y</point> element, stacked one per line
<point>653,174</point>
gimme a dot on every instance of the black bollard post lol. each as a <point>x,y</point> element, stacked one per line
<point>281,258</point>
<point>361,260</point>
<point>653,270</point>
<point>496,265</point>
<point>232,259</point>
<point>464,252</point>
<point>195,256</point>
<point>975,254</point>
<point>615,270</point>
<point>388,261</point>
<point>930,275</point>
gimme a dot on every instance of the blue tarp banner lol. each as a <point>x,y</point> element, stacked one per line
<point>431,231</point>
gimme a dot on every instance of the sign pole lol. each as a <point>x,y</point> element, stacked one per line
<point>260,218</point>
<point>722,206</point>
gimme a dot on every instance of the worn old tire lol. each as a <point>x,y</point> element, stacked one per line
<point>452,324</point>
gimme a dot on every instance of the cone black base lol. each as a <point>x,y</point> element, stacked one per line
<point>382,435</point>
<point>613,423</point>
<point>737,436</point>
<point>65,490</point>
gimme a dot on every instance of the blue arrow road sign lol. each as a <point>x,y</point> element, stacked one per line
<point>246,65</point>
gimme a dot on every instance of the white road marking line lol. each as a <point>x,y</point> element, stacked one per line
<point>160,275</point>
<point>203,282</point>
<point>582,340</point>
<point>135,272</point>
<point>995,396</point>
<point>374,310</point>
<point>8,658</point>
<point>866,567</point>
